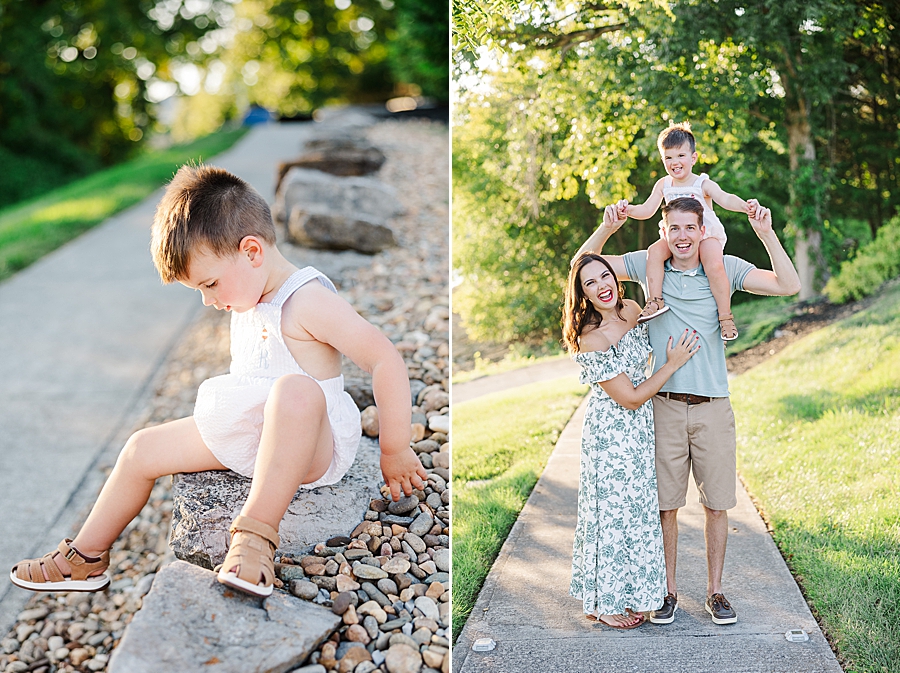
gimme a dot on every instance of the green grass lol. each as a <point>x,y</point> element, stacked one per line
<point>500,448</point>
<point>758,319</point>
<point>818,435</point>
<point>30,230</point>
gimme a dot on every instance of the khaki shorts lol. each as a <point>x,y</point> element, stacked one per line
<point>698,435</point>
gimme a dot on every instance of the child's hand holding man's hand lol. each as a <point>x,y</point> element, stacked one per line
<point>613,217</point>
<point>752,206</point>
<point>402,471</point>
<point>761,221</point>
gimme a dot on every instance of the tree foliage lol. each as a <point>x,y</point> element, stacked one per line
<point>74,78</point>
<point>765,86</point>
<point>80,82</point>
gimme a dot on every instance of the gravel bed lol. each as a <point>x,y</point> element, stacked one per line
<point>388,578</point>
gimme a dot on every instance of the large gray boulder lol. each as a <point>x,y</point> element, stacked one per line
<point>205,504</point>
<point>191,623</point>
<point>316,227</point>
<point>339,195</point>
<point>345,155</point>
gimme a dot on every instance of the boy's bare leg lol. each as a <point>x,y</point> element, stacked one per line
<point>711,256</point>
<point>669,521</point>
<point>296,447</point>
<point>657,254</point>
<point>148,454</point>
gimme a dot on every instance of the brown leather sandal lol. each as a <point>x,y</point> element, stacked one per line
<point>252,552</point>
<point>653,308</point>
<point>728,328</point>
<point>29,574</point>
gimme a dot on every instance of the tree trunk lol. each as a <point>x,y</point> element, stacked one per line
<point>808,235</point>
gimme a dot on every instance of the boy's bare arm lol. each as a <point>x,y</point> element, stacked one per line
<point>646,210</point>
<point>783,279</point>
<point>612,220</point>
<point>725,199</point>
<point>332,320</point>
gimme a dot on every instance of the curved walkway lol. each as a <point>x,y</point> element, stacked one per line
<point>525,608</point>
<point>83,332</point>
<point>542,371</point>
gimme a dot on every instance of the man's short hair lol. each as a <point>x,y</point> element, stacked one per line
<point>684,204</point>
<point>205,207</point>
<point>676,136</point>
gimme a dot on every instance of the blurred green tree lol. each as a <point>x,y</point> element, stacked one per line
<point>419,49</point>
<point>80,81</point>
<point>74,81</point>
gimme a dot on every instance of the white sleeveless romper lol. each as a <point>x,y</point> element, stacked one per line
<point>714,228</point>
<point>229,408</point>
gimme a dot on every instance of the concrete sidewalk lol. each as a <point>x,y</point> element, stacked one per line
<point>83,332</point>
<point>543,371</point>
<point>524,605</point>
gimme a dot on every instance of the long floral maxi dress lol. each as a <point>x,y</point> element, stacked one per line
<point>617,560</point>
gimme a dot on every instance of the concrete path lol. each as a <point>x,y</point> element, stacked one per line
<point>83,332</point>
<point>525,607</point>
<point>543,371</point>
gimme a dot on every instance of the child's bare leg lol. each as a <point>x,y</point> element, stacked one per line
<point>657,254</point>
<point>714,267</point>
<point>296,447</point>
<point>148,454</point>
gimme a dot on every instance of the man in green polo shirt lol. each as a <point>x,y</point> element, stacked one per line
<point>692,413</point>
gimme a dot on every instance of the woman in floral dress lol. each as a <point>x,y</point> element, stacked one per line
<point>618,569</point>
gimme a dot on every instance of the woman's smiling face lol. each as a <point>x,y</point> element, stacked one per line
<point>599,285</point>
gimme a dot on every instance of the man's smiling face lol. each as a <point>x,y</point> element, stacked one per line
<point>683,234</point>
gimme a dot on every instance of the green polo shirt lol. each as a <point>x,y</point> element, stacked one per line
<point>691,306</point>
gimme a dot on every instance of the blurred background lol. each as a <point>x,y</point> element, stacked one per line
<point>88,85</point>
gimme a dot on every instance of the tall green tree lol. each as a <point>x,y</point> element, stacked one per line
<point>74,78</point>
<point>796,48</point>
<point>765,86</point>
<point>419,48</point>
<point>294,57</point>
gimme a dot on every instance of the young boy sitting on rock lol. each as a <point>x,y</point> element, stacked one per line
<point>281,416</point>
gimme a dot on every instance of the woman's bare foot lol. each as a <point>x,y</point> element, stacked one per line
<point>626,621</point>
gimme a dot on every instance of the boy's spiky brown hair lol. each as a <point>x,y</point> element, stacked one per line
<point>676,136</point>
<point>205,207</point>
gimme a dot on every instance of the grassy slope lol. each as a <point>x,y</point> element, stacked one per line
<point>501,443</point>
<point>757,320</point>
<point>32,229</point>
<point>818,434</point>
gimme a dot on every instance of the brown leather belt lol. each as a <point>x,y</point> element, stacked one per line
<point>687,398</point>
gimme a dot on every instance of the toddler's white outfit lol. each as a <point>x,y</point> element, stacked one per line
<point>229,408</point>
<point>714,228</point>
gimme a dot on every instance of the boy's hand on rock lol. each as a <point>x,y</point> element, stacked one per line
<point>402,471</point>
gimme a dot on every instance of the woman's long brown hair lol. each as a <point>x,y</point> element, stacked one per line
<point>578,312</point>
